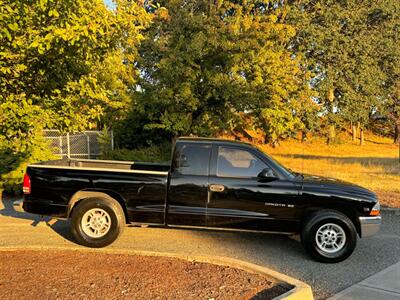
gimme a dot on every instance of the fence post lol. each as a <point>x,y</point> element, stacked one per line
<point>88,145</point>
<point>112,139</point>
<point>61,153</point>
<point>68,147</point>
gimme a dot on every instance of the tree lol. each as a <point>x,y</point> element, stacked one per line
<point>341,40</point>
<point>55,62</point>
<point>393,111</point>
<point>206,65</point>
<point>388,19</point>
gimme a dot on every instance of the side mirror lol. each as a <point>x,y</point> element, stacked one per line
<point>267,174</point>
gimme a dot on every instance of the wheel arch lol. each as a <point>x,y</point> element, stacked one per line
<point>105,194</point>
<point>350,212</point>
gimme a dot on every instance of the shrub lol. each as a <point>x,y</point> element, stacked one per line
<point>153,153</point>
<point>21,140</point>
<point>13,163</point>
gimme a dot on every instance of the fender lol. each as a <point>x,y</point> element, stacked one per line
<point>84,194</point>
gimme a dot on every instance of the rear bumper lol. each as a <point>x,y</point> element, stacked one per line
<point>369,225</point>
<point>17,205</point>
<point>42,207</point>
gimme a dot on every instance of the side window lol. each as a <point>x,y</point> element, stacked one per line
<point>193,159</point>
<point>238,163</point>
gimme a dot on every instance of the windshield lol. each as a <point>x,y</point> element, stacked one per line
<point>286,172</point>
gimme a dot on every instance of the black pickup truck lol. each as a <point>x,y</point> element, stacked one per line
<point>210,183</point>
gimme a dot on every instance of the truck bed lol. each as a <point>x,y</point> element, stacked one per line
<point>107,164</point>
<point>141,186</point>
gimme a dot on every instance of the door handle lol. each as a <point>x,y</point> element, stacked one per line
<point>218,188</point>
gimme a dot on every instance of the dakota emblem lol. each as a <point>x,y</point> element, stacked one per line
<point>279,204</point>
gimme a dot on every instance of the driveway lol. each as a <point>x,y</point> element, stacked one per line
<point>280,253</point>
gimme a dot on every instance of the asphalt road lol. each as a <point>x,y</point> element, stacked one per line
<point>280,253</point>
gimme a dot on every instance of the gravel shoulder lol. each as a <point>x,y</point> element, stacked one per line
<point>27,274</point>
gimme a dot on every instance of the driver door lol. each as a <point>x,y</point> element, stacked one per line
<point>188,186</point>
<point>238,198</point>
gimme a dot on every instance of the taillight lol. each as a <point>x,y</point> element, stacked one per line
<point>26,188</point>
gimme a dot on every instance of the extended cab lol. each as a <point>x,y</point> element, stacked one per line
<point>210,183</point>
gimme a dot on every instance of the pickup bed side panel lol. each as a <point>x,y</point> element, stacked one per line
<point>144,194</point>
<point>52,189</point>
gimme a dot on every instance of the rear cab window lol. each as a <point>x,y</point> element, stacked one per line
<point>192,159</point>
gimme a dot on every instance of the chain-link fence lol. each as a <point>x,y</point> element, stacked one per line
<point>76,145</point>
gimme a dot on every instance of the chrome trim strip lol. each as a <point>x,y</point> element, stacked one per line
<point>144,223</point>
<point>123,162</point>
<point>99,169</point>
<point>369,225</point>
<point>371,219</point>
<point>230,229</point>
<point>265,217</point>
<point>103,160</point>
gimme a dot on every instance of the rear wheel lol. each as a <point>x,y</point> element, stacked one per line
<point>97,222</point>
<point>329,236</point>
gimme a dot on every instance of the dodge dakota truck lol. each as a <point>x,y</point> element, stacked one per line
<point>210,183</point>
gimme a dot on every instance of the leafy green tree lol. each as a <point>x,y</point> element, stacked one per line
<point>63,64</point>
<point>21,140</point>
<point>206,65</point>
<point>387,20</point>
<point>342,41</point>
<point>393,111</point>
<point>57,53</point>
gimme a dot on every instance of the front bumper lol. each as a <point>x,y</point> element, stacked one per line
<point>369,225</point>
<point>17,205</point>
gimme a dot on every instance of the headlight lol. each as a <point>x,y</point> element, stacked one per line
<point>376,210</point>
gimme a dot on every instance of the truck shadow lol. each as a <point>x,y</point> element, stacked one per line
<point>260,246</point>
<point>256,241</point>
<point>61,227</point>
<point>7,210</point>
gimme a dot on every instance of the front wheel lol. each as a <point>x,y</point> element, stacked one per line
<point>97,222</point>
<point>329,236</point>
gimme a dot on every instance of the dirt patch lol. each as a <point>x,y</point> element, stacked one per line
<point>80,275</point>
<point>389,199</point>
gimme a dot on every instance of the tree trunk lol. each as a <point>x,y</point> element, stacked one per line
<point>330,96</point>
<point>173,140</point>
<point>332,135</point>
<point>361,136</point>
<point>354,132</point>
<point>303,136</point>
<point>397,133</point>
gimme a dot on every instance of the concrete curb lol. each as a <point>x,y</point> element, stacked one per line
<point>390,209</point>
<point>300,290</point>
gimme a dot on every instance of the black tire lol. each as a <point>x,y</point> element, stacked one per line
<point>114,216</point>
<point>320,221</point>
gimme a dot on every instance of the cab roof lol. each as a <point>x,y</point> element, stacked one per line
<point>212,140</point>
